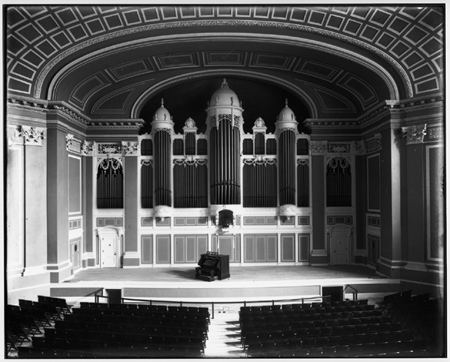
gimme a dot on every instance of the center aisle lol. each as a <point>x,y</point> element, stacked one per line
<point>224,335</point>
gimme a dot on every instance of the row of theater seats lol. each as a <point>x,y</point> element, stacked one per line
<point>115,330</point>
<point>29,318</point>
<point>420,313</point>
<point>339,329</point>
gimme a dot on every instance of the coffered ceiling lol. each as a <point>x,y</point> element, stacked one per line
<point>113,61</point>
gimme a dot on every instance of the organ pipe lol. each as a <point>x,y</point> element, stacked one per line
<point>286,126</point>
<point>224,127</point>
<point>225,158</point>
<point>162,129</point>
<point>286,155</point>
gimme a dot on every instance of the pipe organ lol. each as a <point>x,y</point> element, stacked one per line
<point>188,179</point>
<point>194,170</point>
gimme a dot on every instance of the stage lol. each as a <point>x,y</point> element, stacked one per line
<point>246,283</point>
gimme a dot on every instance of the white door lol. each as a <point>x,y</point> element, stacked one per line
<point>339,244</point>
<point>109,253</point>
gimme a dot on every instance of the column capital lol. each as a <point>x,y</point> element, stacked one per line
<point>414,134</point>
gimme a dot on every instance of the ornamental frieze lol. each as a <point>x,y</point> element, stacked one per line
<point>190,162</point>
<point>318,147</point>
<point>259,161</point>
<point>338,147</point>
<point>110,148</point>
<point>435,133</point>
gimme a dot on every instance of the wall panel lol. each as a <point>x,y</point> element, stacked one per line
<point>287,247</point>
<point>303,247</point>
<point>260,248</point>
<point>74,184</point>
<point>162,249</point>
<point>147,249</point>
<point>188,248</point>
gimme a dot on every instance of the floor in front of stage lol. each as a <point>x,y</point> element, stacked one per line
<point>238,273</point>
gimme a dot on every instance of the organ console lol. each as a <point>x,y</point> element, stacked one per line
<point>213,266</point>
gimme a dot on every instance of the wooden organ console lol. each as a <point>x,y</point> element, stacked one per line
<point>213,266</point>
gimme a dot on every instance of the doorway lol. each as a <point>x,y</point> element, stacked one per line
<point>109,247</point>
<point>340,236</point>
<point>75,255</point>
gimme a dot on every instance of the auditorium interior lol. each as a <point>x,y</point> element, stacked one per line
<point>224,181</point>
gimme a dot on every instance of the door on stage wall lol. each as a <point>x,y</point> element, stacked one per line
<point>109,248</point>
<point>340,241</point>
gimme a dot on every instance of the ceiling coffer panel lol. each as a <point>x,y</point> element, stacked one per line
<point>407,42</point>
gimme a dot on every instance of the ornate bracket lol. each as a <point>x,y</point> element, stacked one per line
<point>69,141</point>
<point>130,148</point>
<point>87,147</point>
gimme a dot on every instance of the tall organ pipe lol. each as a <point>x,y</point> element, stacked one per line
<point>225,152</point>
<point>286,156</point>
<point>162,143</point>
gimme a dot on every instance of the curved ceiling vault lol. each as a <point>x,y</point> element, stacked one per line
<point>108,62</point>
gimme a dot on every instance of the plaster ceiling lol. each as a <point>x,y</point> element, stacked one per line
<point>110,61</point>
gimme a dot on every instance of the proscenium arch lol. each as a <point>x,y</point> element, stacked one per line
<point>167,83</point>
<point>276,38</point>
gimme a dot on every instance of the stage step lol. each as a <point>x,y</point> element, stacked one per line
<point>224,336</point>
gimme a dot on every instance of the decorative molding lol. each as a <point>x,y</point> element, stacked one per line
<point>69,141</point>
<point>32,136</point>
<point>373,144</point>
<point>113,163</point>
<point>146,162</point>
<point>303,161</point>
<point>338,147</point>
<point>318,147</point>
<point>339,219</point>
<point>162,129</point>
<point>259,126</point>
<point>414,134</point>
<point>110,148</point>
<point>260,160</point>
<point>87,148</point>
<point>358,147</point>
<point>14,136</point>
<point>435,133</point>
<point>189,125</point>
<point>374,220</point>
<point>130,148</point>
<point>190,161</point>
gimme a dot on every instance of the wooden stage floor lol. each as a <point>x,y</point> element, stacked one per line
<point>246,282</point>
<point>238,274</point>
